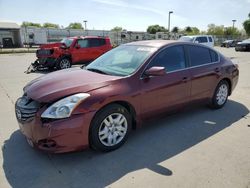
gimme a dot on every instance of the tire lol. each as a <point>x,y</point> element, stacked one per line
<point>220,95</point>
<point>105,135</point>
<point>64,63</point>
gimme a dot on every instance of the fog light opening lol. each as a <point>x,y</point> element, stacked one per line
<point>47,143</point>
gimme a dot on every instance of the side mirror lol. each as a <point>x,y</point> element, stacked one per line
<point>63,46</point>
<point>155,71</point>
<point>77,46</point>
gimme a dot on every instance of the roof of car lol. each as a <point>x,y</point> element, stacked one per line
<point>192,36</point>
<point>153,43</point>
<point>84,37</point>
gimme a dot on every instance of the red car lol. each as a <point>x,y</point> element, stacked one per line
<point>70,51</point>
<point>98,105</point>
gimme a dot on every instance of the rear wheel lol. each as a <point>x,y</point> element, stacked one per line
<point>64,63</point>
<point>220,95</point>
<point>109,128</point>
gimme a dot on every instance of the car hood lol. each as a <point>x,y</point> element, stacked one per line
<point>244,42</point>
<point>51,45</point>
<point>59,84</point>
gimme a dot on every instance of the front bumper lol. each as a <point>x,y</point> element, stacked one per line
<point>46,62</point>
<point>56,136</point>
<point>240,48</point>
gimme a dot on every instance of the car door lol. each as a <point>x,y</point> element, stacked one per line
<point>205,71</point>
<point>163,93</point>
<point>81,51</point>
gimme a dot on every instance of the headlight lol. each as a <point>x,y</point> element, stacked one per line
<point>64,107</point>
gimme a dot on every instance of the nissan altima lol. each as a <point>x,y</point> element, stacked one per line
<point>98,105</point>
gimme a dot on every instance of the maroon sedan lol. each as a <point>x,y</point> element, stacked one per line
<point>98,105</point>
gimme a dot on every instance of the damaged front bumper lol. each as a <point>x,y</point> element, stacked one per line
<point>52,135</point>
<point>42,64</point>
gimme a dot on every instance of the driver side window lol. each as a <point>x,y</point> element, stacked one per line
<point>84,43</point>
<point>172,58</point>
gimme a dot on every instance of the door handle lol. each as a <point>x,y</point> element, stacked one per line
<point>185,79</point>
<point>217,70</point>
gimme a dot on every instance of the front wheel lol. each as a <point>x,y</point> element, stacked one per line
<point>109,128</point>
<point>220,95</point>
<point>64,63</point>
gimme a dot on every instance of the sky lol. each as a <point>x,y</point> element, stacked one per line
<point>134,15</point>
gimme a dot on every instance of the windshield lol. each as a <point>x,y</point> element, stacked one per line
<point>246,41</point>
<point>186,39</point>
<point>121,61</point>
<point>67,41</point>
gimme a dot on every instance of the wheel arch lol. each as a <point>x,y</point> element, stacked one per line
<point>229,84</point>
<point>126,105</point>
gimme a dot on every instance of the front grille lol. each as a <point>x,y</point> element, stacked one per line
<point>44,52</point>
<point>26,109</point>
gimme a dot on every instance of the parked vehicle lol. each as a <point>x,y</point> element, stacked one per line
<point>206,40</point>
<point>70,51</point>
<point>97,105</point>
<point>243,46</point>
<point>229,43</point>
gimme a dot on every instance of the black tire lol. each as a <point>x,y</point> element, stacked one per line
<point>98,123</point>
<point>219,100</point>
<point>63,63</point>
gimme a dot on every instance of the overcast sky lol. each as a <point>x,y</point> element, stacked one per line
<point>133,15</point>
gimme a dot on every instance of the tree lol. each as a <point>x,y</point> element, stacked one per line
<point>75,25</point>
<point>215,30</point>
<point>117,29</point>
<point>50,25</point>
<point>246,25</point>
<point>195,31</point>
<point>232,31</point>
<point>188,29</point>
<point>152,29</point>
<point>30,24</point>
<point>175,30</point>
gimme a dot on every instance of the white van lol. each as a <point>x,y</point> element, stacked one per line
<point>201,39</point>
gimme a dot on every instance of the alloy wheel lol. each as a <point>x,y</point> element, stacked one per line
<point>113,129</point>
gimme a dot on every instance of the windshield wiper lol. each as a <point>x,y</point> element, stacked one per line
<point>96,70</point>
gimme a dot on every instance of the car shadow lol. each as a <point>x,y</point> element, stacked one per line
<point>157,141</point>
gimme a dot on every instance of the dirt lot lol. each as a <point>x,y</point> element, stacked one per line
<point>196,148</point>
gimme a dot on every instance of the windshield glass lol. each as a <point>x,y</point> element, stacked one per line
<point>186,39</point>
<point>121,61</point>
<point>67,41</point>
<point>246,41</point>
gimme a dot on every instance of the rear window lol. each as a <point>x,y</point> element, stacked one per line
<point>201,39</point>
<point>97,42</point>
<point>214,56</point>
<point>199,55</point>
<point>210,39</point>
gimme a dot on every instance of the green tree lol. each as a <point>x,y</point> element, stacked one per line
<point>30,24</point>
<point>175,30</point>
<point>75,25</point>
<point>152,29</point>
<point>195,31</point>
<point>50,25</point>
<point>117,29</point>
<point>215,30</point>
<point>232,31</point>
<point>246,25</point>
<point>188,29</point>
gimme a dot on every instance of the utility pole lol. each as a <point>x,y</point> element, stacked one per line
<point>233,23</point>
<point>85,26</point>
<point>170,12</point>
